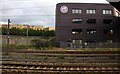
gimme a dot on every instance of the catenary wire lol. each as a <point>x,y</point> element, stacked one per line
<point>28,7</point>
<point>26,15</point>
<point>26,1</point>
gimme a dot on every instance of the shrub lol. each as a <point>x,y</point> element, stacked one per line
<point>40,42</point>
<point>61,56</point>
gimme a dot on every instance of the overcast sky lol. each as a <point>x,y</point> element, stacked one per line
<point>33,12</point>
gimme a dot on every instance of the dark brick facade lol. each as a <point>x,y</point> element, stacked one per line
<point>86,25</point>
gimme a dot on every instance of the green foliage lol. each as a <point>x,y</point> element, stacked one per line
<point>4,30</point>
<point>45,58</point>
<point>60,56</point>
<point>31,32</point>
<point>12,46</point>
<point>52,41</point>
<point>40,42</point>
<point>44,42</point>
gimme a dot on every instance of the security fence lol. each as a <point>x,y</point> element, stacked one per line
<point>18,40</point>
<point>90,45</point>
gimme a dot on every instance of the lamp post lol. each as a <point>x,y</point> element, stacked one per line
<point>27,36</point>
<point>8,32</point>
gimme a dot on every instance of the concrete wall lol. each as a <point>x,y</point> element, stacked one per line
<point>17,40</point>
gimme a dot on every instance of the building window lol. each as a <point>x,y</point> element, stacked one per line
<point>107,21</point>
<point>107,11</point>
<point>108,32</point>
<point>76,20</point>
<point>77,41</point>
<point>109,41</point>
<point>91,21</point>
<point>90,41</point>
<point>91,31</point>
<point>76,11</point>
<point>76,31</point>
<point>91,11</point>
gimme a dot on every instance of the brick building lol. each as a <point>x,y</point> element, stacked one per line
<point>81,25</point>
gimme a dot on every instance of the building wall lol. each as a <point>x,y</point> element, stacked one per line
<point>64,25</point>
<point>21,26</point>
<point>17,40</point>
<point>49,28</point>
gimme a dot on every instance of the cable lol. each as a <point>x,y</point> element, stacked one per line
<point>12,0</point>
<point>33,15</point>
<point>26,1</point>
<point>25,8</point>
<point>26,15</point>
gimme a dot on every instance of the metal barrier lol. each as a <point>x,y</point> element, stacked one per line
<point>90,45</point>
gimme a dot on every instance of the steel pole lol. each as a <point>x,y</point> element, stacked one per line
<point>27,35</point>
<point>8,32</point>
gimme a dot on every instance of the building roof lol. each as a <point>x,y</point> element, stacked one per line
<point>23,26</point>
<point>86,3</point>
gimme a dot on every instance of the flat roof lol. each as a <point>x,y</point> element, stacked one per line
<point>85,3</point>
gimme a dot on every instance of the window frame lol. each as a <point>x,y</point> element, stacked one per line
<point>90,11</point>
<point>76,40</point>
<point>91,22</point>
<point>107,12</point>
<point>106,21</point>
<point>91,41</point>
<point>88,31</point>
<point>108,31</point>
<point>76,20</point>
<point>76,10</point>
<point>77,31</point>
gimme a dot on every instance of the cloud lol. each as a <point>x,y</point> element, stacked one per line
<point>3,23</point>
<point>34,12</point>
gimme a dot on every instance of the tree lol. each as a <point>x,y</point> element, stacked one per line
<point>4,30</point>
<point>40,42</point>
<point>31,32</point>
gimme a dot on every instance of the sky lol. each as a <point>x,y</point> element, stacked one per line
<point>33,12</point>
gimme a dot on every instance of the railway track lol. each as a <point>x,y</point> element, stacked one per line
<point>64,51</point>
<point>55,62</point>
